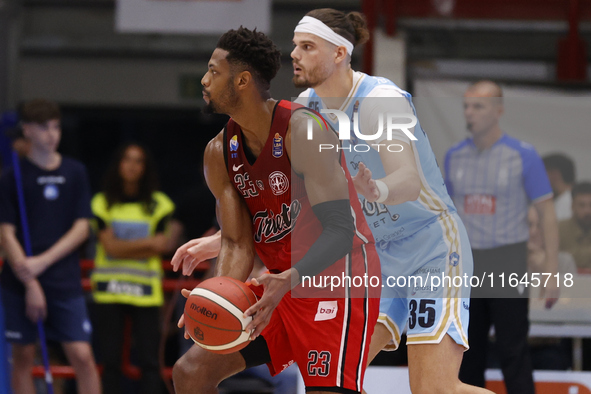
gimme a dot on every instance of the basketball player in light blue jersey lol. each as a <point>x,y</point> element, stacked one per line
<point>414,221</point>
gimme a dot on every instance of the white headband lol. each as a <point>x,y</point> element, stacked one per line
<point>318,28</point>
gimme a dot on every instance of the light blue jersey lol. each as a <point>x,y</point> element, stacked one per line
<point>417,238</point>
<point>389,222</point>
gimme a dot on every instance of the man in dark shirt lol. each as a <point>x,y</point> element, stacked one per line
<point>46,285</point>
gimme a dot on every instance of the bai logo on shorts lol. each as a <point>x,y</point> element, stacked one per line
<point>326,310</point>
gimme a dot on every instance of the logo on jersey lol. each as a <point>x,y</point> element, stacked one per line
<point>454,259</point>
<point>236,168</point>
<point>51,192</point>
<point>260,184</point>
<point>374,208</point>
<point>272,227</point>
<point>279,183</point>
<point>277,146</point>
<point>479,204</point>
<point>234,144</point>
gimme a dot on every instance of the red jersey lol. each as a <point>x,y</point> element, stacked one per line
<point>283,223</point>
<point>284,228</point>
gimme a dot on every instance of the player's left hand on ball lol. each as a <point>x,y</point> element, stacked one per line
<point>181,322</point>
<point>364,184</point>
<point>275,287</point>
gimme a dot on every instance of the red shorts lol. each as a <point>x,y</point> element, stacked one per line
<point>327,337</point>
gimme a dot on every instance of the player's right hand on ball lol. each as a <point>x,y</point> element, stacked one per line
<point>196,251</point>
<point>181,322</point>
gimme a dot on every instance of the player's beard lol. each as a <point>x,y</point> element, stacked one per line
<point>226,103</point>
<point>313,78</point>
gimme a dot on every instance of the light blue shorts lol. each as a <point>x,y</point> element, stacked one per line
<point>426,284</point>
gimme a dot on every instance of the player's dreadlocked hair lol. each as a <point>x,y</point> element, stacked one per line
<point>253,51</point>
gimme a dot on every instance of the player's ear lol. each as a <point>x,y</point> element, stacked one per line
<point>244,79</point>
<point>340,54</point>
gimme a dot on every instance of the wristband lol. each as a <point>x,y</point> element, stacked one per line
<point>383,189</point>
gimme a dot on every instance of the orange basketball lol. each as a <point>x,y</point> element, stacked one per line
<point>214,314</point>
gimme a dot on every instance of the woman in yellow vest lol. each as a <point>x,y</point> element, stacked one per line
<point>131,219</point>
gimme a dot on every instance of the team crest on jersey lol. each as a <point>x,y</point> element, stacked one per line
<point>279,183</point>
<point>277,146</point>
<point>51,192</point>
<point>272,227</point>
<point>234,144</point>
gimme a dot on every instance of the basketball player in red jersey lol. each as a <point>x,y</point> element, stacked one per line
<point>273,187</point>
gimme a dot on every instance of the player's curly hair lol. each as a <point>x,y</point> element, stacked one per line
<point>253,51</point>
